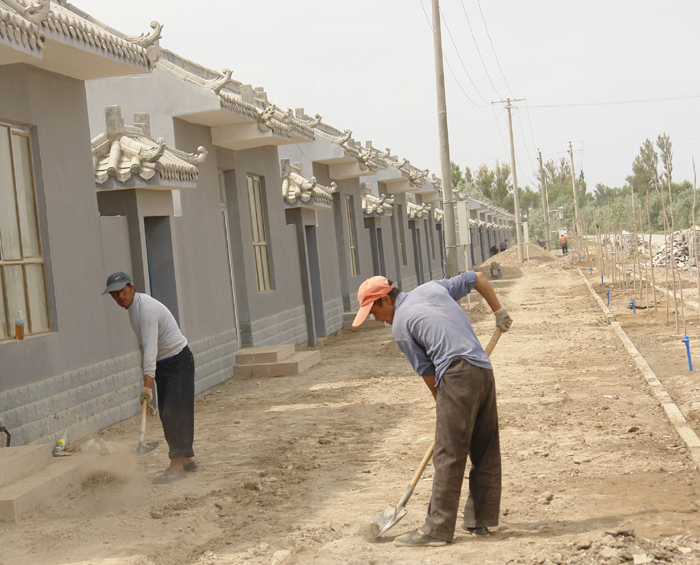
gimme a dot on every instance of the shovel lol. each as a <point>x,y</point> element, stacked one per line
<point>144,448</point>
<point>392,515</point>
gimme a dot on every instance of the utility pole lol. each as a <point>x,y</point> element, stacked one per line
<point>516,197</point>
<point>577,220</point>
<point>447,196</point>
<point>545,202</point>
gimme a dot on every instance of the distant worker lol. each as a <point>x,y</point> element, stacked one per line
<point>168,360</point>
<point>435,334</point>
<point>563,243</point>
<point>494,250</point>
<point>504,245</point>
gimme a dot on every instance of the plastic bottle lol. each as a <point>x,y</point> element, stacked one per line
<point>61,443</point>
<point>19,326</point>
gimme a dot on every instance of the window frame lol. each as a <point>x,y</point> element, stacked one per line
<point>258,223</point>
<point>15,131</point>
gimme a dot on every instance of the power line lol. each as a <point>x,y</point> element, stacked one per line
<point>460,57</point>
<point>478,50</point>
<point>492,48</point>
<point>644,101</point>
<point>482,135</point>
<point>430,25</point>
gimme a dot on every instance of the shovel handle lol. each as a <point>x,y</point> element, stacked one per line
<point>423,464</point>
<point>494,340</point>
<point>429,454</point>
<point>144,405</point>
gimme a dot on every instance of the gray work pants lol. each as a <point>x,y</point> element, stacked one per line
<point>467,424</point>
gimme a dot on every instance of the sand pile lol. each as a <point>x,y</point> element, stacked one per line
<point>509,257</point>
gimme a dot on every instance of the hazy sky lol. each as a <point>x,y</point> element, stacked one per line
<point>368,66</point>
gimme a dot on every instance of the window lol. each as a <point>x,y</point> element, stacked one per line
<point>351,236</point>
<point>257,222</point>
<point>22,287</point>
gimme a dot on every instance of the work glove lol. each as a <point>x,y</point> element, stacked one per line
<point>146,393</point>
<point>503,320</point>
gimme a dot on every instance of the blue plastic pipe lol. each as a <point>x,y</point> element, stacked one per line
<point>608,292</point>
<point>687,350</point>
<point>601,279</point>
<point>634,309</point>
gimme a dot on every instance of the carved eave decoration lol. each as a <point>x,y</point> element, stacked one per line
<point>439,214</point>
<point>299,191</point>
<point>129,156</point>
<point>414,211</point>
<point>238,99</point>
<point>68,41</point>
<point>373,206</point>
<point>19,31</point>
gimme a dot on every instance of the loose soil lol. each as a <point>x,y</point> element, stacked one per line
<point>293,469</point>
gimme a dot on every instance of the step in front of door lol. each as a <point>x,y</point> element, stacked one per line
<point>294,365</point>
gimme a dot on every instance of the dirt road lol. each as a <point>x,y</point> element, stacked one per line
<point>294,467</point>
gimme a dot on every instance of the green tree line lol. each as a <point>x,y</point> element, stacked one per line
<point>650,177</point>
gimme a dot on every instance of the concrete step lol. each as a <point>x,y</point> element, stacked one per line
<point>270,354</point>
<point>44,486</point>
<point>19,461</point>
<point>294,365</point>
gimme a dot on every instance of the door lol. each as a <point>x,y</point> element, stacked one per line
<point>161,268</point>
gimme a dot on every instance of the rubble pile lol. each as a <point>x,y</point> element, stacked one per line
<point>680,248</point>
<point>628,243</point>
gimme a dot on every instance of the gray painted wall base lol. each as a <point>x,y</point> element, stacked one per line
<point>91,398</point>
<point>279,329</point>
<point>333,314</point>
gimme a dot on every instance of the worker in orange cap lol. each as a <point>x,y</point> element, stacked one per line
<point>435,334</point>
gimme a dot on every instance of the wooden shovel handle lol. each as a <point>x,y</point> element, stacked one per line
<point>423,464</point>
<point>144,405</point>
<point>429,454</point>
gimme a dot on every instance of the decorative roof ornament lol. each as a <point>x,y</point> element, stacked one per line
<point>218,84</point>
<point>439,214</point>
<point>316,121</point>
<point>296,187</point>
<point>343,139</point>
<point>371,204</point>
<point>20,31</point>
<point>35,13</point>
<point>125,151</point>
<point>415,176</point>
<point>145,40</point>
<point>415,211</point>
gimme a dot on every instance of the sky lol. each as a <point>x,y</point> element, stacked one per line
<point>603,74</point>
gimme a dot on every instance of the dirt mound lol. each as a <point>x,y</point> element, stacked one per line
<point>509,257</point>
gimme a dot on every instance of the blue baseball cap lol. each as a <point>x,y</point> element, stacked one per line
<point>117,281</point>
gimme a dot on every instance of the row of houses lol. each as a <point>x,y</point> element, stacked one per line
<point>253,223</point>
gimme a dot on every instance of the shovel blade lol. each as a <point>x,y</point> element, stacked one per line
<point>389,518</point>
<point>145,448</point>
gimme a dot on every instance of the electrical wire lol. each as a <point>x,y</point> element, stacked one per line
<point>643,101</point>
<point>430,25</point>
<point>492,48</point>
<point>460,58</point>
<point>471,31</point>
<point>479,138</point>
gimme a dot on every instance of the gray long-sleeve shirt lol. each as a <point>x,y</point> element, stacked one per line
<point>157,331</point>
<point>431,328</point>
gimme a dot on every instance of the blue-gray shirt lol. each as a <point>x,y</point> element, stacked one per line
<point>431,328</point>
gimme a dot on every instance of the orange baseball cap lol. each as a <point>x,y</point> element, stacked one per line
<point>370,291</point>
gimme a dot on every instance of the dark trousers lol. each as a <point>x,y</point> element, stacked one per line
<point>564,248</point>
<point>467,424</point>
<point>175,382</point>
